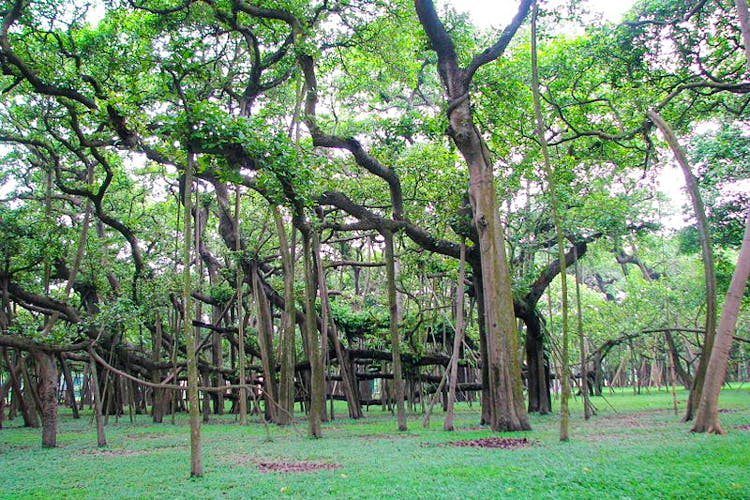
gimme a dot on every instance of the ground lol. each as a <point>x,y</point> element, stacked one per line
<point>635,448</point>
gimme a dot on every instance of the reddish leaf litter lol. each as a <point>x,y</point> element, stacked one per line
<point>294,466</point>
<point>744,427</point>
<point>493,442</point>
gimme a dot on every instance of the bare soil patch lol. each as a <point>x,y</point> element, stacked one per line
<point>295,466</point>
<point>743,427</point>
<point>110,453</point>
<point>492,442</point>
<point>146,435</point>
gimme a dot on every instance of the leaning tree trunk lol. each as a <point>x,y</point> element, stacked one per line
<point>708,260</point>
<point>707,419</point>
<point>707,416</point>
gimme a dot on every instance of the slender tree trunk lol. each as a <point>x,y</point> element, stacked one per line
<point>398,381</point>
<point>265,344</point>
<point>29,416</point>
<point>557,216</point>
<point>709,271</point>
<point>485,399</point>
<point>288,323</point>
<point>159,401</point>
<point>70,389</point>
<point>317,377</point>
<point>239,285</point>
<point>458,338</point>
<point>707,416</point>
<point>681,373</point>
<point>347,378</point>
<point>196,459</point>
<point>101,438</point>
<point>588,409</point>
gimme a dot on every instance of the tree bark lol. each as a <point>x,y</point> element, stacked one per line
<point>329,333</point>
<point>46,370</point>
<point>707,416</point>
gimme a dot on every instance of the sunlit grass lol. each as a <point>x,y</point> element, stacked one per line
<point>636,447</point>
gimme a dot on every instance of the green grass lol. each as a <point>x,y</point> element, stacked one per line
<point>635,448</point>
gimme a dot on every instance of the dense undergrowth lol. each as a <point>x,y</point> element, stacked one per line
<point>636,447</point>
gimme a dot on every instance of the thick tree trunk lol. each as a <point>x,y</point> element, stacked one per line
<point>46,371</point>
<point>507,409</point>
<point>707,416</point>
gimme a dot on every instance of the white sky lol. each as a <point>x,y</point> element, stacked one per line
<point>498,13</point>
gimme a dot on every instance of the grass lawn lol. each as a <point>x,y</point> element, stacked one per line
<point>636,447</point>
